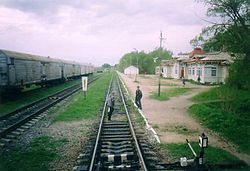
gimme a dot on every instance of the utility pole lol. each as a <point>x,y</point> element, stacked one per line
<point>136,51</point>
<point>159,84</point>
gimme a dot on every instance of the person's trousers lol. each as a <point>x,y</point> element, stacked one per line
<point>138,103</point>
<point>110,111</point>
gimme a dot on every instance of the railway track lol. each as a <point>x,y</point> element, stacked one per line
<point>16,122</point>
<point>121,144</point>
<point>117,144</point>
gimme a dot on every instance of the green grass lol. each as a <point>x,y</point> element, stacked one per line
<point>166,94</point>
<point>231,126</point>
<point>81,108</point>
<point>42,150</point>
<point>168,84</point>
<point>229,117</point>
<point>28,97</point>
<point>212,155</point>
<point>212,94</point>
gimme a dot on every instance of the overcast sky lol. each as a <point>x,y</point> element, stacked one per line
<point>98,31</point>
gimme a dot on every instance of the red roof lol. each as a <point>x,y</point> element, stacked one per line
<point>196,51</point>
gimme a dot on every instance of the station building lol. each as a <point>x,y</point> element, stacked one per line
<point>206,68</point>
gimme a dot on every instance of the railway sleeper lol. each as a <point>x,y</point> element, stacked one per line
<point>117,143</point>
<point>5,140</point>
<point>115,129</point>
<point>2,145</point>
<point>83,161</point>
<point>126,167</point>
<point>11,136</point>
<point>112,136</point>
<point>118,139</point>
<point>111,151</point>
<point>116,133</point>
<point>17,133</point>
<point>114,126</point>
<point>115,147</point>
<point>119,158</point>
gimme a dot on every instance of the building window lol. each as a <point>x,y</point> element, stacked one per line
<point>199,72</point>
<point>175,69</point>
<point>213,71</point>
<point>193,71</point>
<point>189,71</point>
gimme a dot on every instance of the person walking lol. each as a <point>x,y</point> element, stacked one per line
<point>138,96</point>
<point>111,104</point>
<point>183,81</point>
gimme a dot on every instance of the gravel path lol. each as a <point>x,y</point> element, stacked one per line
<point>169,118</point>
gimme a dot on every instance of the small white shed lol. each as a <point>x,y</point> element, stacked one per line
<point>131,70</point>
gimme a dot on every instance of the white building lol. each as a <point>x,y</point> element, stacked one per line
<point>211,68</point>
<point>131,70</point>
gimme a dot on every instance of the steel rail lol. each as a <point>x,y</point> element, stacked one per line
<point>91,167</point>
<point>41,109</point>
<point>40,100</point>
<point>144,167</point>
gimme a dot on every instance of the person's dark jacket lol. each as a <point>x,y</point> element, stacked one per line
<point>138,94</point>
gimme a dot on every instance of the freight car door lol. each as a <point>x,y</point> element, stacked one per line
<point>12,75</point>
<point>3,70</point>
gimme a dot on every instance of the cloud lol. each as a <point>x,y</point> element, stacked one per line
<point>97,31</point>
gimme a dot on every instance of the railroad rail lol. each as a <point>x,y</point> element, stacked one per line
<point>119,144</point>
<point>17,121</point>
<point>116,146</point>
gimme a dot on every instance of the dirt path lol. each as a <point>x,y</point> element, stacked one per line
<point>169,118</point>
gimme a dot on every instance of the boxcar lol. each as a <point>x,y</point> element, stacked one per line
<point>19,69</point>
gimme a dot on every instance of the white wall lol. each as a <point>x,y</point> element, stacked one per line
<point>131,71</point>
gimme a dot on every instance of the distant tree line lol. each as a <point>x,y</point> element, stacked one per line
<point>231,34</point>
<point>144,61</point>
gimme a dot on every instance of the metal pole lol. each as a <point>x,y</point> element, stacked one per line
<point>191,148</point>
<point>136,64</point>
<point>159,84</point>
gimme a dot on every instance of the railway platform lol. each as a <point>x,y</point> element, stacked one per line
<point>169,118</point>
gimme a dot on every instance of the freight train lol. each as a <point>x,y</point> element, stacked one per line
<point>18,70</point>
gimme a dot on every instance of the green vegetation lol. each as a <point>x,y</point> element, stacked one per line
<point>168,84</point>
<point>146,62</point>
<point>166,94</point>
<point>28,97</point>
<point>41,151</point>
<point>155,126</point>
<point>212,155</point>
<point>231,35</point>
<point>81,108</point>
<point>229,116</point>
<point>212,94</point>
<point>139,119</point>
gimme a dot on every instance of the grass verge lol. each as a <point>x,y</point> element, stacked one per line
<point>81,108</point>
<point>28,97</point>
<point>213,156</point>
<point>229,117</point>
<point>41,151</point>
<point>166,94</point>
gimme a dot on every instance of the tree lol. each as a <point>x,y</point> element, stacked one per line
<point>145,61</point>
<point>104,66</point>
<point>231,34</point>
